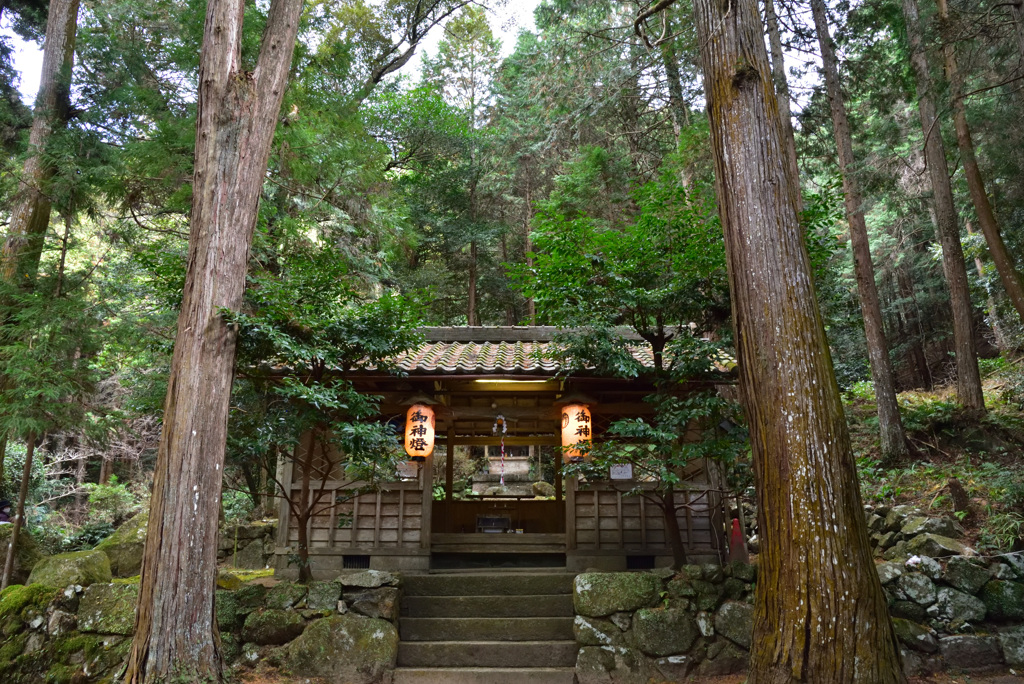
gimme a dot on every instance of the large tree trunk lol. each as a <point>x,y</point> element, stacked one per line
<point>782,94</point>
<point>893,438</point>
<point>820,615</point>
<point>1017,9</point>
<point>1008,274</point>
<point>968,379</point>
<point>471,314</point>
<point>672,532</point>
<point>19,515</point>
<point>30,216</point>
<point>911,316</point>
<point>1002,341</point>
<point>175,631</point>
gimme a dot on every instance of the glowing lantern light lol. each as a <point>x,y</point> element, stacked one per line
<point>419,432</point>
<point>576,430</point>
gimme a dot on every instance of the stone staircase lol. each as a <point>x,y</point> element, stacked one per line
<point>486,628</point>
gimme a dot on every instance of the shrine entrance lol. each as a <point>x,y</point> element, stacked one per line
<point>499,489</point>
<point>490,494</point>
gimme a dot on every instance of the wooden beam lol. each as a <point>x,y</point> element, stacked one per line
<point>540,440</point>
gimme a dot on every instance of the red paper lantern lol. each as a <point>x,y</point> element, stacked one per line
<point>419,432</point>
<point>576,431</point>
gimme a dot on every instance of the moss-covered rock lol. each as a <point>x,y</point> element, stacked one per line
<point>937,546</point>
<point>77,567</point>
<point>735,621</point>
<point>323,595</point>
<point>951,605</point>
<point>915,636</point>
<point>125,547</point>
<point>664,632</point>
<point>272,627</point>
<point>27,553</point>
<point>285,595</point>
<point>596,632</point>
<point>966,575</point>
<point>108,609</point>
<point>601,594</point>
<point>20,603</point>
<point>251,597</point>
<point>382,602</point>
<point>345,649</point>
<point>229,617</point>
<point>1004,600</point>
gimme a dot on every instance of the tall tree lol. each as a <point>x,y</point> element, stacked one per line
<point>893,437</point>
<point>30,216</point>
<point>237,114</point>
<point>820,612</point>
<point>771,19</point>
<point>464,68</point>
<point>968,378</point>
<point>1005,266</point>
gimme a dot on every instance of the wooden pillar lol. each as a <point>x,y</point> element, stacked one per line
<point>449,466</point>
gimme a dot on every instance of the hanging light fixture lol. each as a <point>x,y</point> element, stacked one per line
<point>577,432</point>
<point>419,432</point>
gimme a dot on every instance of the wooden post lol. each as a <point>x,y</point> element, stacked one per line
<point>427,499</point>
<point>570,513</point>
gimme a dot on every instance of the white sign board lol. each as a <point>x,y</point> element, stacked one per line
<point>623,471</point>
<point>408,470</point>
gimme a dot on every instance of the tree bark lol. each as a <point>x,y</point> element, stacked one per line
<point>672,531</point>
<point>175,629</point>
<point>19,516</point>
<point>30,216</point>
<point>1005,266</point>
<point>820,615</point>
<point>1017,9</point>
<point>968,378</point>
<point>893,437</point>
<point>993,310</point>
<point>782,94</point>
<point>919,360</point>
<point>471,315</point>
<point>305,510</point>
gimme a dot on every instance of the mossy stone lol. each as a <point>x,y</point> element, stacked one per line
<point>108,609</point>
<point>126,546</point>
<point>229,617</point>
<point>966,575</point>
<point>735,621</point>
<point>27,553</point>
<point>77,567</point>
<point>600,594</point>
<point>915,636</point>
<point>272,627</point>
<point>596,632</point>
<point>348,649</point>
<point>323,595</point>
<point>1004,600</point>
<point>285,595</point>
<point>251,597</point>
<point>664,631</point>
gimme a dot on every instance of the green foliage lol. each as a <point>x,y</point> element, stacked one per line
<point>652,259</point>
<point>113,502</point>
<point>88,536</point>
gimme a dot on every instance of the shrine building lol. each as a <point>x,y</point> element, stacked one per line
<point>489,493</point>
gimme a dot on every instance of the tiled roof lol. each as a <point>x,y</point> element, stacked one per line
<point>500,349</point>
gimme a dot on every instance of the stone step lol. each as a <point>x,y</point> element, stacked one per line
<point>487,584</point>
<point>485,629</point>
<point>489,654</point>
<point>549,605</point>
<point>485,675</point>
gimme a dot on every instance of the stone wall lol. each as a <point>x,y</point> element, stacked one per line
<point>638,626</point>
<point>956,614</point>
<point>343,630</point>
